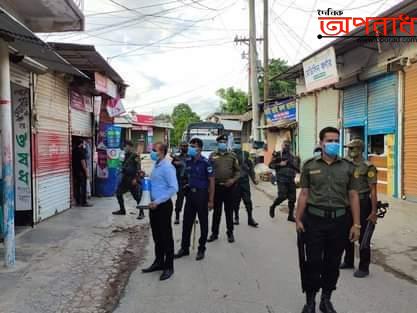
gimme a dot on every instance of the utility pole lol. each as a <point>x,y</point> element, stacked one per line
<point>254,70</point>
<point>266,52</point>
<point>6,148</point>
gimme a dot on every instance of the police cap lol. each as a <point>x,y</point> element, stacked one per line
<point>355,143</point>
<point>221,138</point>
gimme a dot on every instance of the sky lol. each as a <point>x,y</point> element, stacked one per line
<point>183,51</point>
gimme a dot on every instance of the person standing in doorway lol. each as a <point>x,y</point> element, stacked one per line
<point>366,174</point>
<point>80,173</point>
<point>227,174</point>
<point>247,170</point>
<point>329,188</point>
<point>200,198</point>
<point>164,187</point>
<point>131,168</point>
<point>179,163</point>
<point>286,165</point>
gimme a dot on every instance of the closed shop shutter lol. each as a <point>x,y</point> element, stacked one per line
<point>81,123</point>
<point>19,76</point>
<point>354,106</point>
<point>410,134</point>
<point>52,145</point>
<point>307,127</point>
<point>382,103</point>
<point>327,109</point>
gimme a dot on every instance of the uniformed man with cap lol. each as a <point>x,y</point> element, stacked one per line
<point>247,171</point>
<point>329,188</point>
<point>199,197</point>
<point>130,179</point>
<point>227,174</point>
<point>366,174</point>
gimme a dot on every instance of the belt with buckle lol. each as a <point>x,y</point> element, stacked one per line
<point>326,213</point>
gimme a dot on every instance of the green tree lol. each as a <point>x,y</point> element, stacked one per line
<point>233,101</point>
<point>181,116</point>
<point>277,88</point>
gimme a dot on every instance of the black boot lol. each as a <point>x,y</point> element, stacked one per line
<point>236,221</point>
<point>272,211</point>
<point>177,218</point>
<point>141,215</point>
<point>119,212</point>
<point>251,220</point>
<point>326,305</point>
<point>291,215</point>
<point>310,306</point>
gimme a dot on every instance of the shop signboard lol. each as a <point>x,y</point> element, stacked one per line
<point>276,112</point>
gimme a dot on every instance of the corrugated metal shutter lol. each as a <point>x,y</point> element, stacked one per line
<point>307,127</point>
<point>382,104</point>
<point>327,109</point>
<point>410,134</point>
<point>354,106</point>
<point>81,123</point>
<point>19,76</point>
<point>52,145</point>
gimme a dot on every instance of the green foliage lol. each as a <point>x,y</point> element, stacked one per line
<point>277,88</point>
<point>232,101</point>
<point>181,116</point>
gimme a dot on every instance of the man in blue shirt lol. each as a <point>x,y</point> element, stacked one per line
<point>200,198</point>
<point>164,187</point>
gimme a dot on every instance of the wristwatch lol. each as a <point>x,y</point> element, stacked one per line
<point>358,226</point>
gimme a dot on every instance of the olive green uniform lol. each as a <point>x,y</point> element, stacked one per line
<point>226,166</point>
<point>366,175</point>
<point>130,169</point>
<point>325,219</point>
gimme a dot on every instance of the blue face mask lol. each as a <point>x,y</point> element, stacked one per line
<point>192,152</point>
<point>222,146</point>
<point>332,149</point>
<point>154,156</point>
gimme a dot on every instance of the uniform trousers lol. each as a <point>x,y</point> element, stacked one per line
<point>160,219</point>
<point>325,240</point>
<point>365,254</point>
<point>196,204</point>
<point>223,196</point>
<point>286,190</point>
<point>243,194</point>
<point>124,186</point>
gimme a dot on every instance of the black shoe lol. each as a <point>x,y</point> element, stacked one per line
<point>153,268</point>
<point>236,221</point>
<point>212,238</point>
<point>120,212</point>
<point>177,221</point>
<point>230,238</point>
<point>141,215</point>
<point>87,205</point>
<point>326,305</point>
<point>200,255</point>
<point>361,274</point>
<point>309,308</point>
<point>166,274</point>
<point>272,211</point>
<point>291,218</point>
<point>252,222</point>
<point>181,252</point>
<point>346,266</point>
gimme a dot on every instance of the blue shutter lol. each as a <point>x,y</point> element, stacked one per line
<point>382,105</point>
<point>354,106</point>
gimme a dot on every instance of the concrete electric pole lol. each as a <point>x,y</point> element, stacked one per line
<point>254,71</point>
<point>266,51</point>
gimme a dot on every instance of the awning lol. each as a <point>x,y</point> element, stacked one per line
<point>26,43</point>
<point>281,124</point>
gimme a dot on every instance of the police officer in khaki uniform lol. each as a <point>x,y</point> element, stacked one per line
<point>227,174</point>
<point>329,188</point>
<point>366,174</point>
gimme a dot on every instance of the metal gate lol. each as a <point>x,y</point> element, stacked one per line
<point>354,106</point>
<point>52,145</point>
<point>410,135</point>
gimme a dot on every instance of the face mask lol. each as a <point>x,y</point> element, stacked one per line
<point>353,153</point>
<point>222,146</point>
<point>154,156</point>
<point>192,152</point>
<point>332,149</point>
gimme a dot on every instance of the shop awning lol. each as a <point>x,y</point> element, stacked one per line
<point>281,124</point>
<point>232,125</point>
<point>26,43</point>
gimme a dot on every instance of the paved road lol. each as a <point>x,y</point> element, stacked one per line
<point>257,274</point>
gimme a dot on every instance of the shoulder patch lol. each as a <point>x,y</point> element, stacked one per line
<point>371,174</point>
